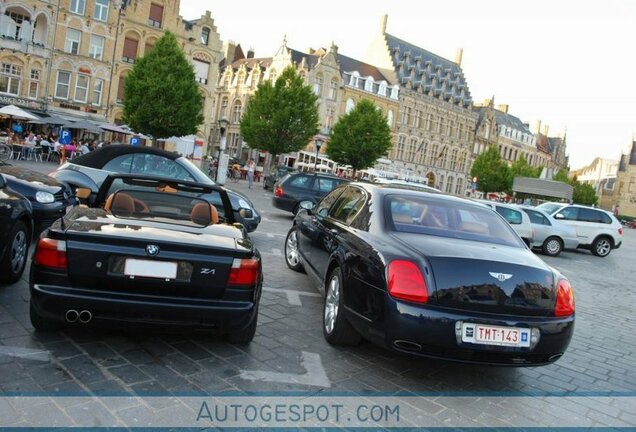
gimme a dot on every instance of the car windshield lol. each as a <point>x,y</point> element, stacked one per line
<point>549,208</point>
<point>446,218</point>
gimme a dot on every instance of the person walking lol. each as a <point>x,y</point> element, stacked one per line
<point>251,167</point>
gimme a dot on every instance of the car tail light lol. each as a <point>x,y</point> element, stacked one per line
<point>244,272</point>
<point>406,282</point>
<point>278,192</point>
<point>620,231</point>
<point>565,299</point>
<point>51,253</point>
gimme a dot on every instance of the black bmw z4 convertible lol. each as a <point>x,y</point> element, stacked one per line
<point>431,275</point>
<point>149,252</point>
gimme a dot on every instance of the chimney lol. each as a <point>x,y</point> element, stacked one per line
<point>458,56</point>
<point>250,53</point>
<point>385,18</point>
<point>546,129</point>
<point>229,48</point>
<point>503,108</point>
<point>537,127</point>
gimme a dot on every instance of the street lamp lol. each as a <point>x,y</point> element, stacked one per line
<point>221,169</point>
<point>319,140</point>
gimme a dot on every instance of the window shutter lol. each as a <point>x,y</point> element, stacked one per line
<point>130,48</point>
<point>156,12</point>
<point>120,88</point>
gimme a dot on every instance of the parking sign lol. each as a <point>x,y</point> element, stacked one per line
<point>135,141</point>
<point>65,136</point>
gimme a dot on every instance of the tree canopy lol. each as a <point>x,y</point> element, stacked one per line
<point>282,117</point>
<point>493,174</point>
<point>161,95</point>
<point>360,137</point>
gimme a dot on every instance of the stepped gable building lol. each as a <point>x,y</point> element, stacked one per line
<point>435,130</point>
<point>338,81</point>
<point>496,126</point>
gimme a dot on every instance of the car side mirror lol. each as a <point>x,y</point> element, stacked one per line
<point>559,216</point>
<point>246,213</point>
<point>83,193</point>
<point>307,206</point>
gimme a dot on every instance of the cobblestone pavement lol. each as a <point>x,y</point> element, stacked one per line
<point>290,354</point>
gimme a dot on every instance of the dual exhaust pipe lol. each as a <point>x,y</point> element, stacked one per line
<point>83,317</point>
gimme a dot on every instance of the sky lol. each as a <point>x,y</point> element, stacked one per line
<point>570,64</point>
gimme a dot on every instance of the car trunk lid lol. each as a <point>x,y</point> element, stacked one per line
<point>156,259</point>
<point>485,277</point>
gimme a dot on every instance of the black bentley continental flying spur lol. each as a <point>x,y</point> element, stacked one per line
<point>432,275</point>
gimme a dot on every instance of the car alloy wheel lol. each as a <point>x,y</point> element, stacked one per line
<point>18,251</point>
<point>331,303</point>
<point>553,246</point>
<point>292,255</point>
<point>602,247</point>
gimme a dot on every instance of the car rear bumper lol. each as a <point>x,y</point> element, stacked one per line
<point>122,309</point>
<point>284,203</point>
<point>432,333</point>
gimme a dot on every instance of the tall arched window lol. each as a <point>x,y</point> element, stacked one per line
<point>223,112</point>
<point>354,80</point>
<point>236,112</point>
<point>205,35</point>
<point>318,85</point>
<point>333,89</point>
<point>368,84</point>
<point>382,89</point>
<point>394,91</point>
<point>389,118</point>
<point>450,182</point>
<point>272,76</point>
<point>453,160</point>
<point>350,105</point>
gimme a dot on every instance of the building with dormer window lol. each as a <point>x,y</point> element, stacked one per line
<point>435,128</point>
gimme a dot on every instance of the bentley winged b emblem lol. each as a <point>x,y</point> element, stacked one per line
<point>501,277</point>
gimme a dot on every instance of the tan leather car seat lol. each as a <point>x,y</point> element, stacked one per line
<point>120,203</point>
<point>204,214</point>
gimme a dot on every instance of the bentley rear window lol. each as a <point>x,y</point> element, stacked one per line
<point>446,218</point>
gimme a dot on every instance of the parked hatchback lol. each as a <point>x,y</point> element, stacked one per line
<point>597,230</point>
<point>518,220</point>
<point>303,189</point>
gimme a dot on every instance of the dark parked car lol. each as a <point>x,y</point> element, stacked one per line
<point>300,189</point>
<point>149,252</point>
<point>16,220</point>
<point>49,197</point>
<point>90,170</point>
<point>430,274</point>
<point>277,173</point>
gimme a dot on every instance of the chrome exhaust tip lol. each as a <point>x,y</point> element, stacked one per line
<point>555,357</point>
<point>407,345</point>
<point>85,316</point>
<point>71,315</point>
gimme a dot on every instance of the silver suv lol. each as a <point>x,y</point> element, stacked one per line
<point>597,230</point>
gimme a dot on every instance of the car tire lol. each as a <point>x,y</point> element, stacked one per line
<point>602,246</point>
<point>14,261</point>
<point>336,329</point>
<point>40,323</point>
<point>245,336</point>
<point>292,254</point>
<point>552,246</point>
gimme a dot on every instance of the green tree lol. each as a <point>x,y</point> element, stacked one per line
<point>360,137</point>
<point>521,168</point>
<point>281,118</point>
<point>583,193</point>
<point>493,174</point>
<point>561,176</point>
<point>161,95</point>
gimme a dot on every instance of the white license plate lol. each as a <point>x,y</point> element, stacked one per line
<point>151,269</point>
<point>494,335</point>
